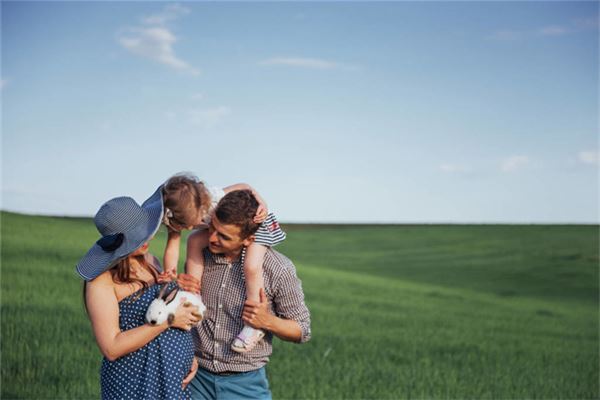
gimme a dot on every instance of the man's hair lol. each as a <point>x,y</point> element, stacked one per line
<point>238,208</point>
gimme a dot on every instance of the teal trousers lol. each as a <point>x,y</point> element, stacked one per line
<point>247,385</point>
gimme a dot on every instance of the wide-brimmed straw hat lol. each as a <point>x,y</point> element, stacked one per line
<point>125,226</point>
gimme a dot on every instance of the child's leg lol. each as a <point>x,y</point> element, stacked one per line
<point>255,255</point>
<point>194,262</point>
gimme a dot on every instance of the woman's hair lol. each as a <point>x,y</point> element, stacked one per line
<point>185,198</point>
<point>239,208</point>
<point>121,273</point>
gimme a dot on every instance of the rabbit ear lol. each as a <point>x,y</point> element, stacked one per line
<point>163,289</point>
<point>171,296</point>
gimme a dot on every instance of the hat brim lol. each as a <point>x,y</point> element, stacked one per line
<point>96,260</point>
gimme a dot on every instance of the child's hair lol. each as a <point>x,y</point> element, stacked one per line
<point>185,198</point>
<point>239,208</point>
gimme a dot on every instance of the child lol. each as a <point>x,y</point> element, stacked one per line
<point>188,204</point>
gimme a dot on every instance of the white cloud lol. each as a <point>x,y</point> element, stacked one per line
<point>454,168</point>
<point>156,41</point>
<point>514,163</point>
<point>208,117</point>
<point>589,157</point>
<point>197,96</point>
<point>3,83</point>
<point>300,62</point>
<point>169,13</point>
<point>156,44</point>
<point>554,30</point>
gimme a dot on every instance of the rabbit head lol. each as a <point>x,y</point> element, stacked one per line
<point>158,312</point>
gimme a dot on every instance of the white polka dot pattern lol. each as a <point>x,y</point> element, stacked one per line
<point>156,370</point>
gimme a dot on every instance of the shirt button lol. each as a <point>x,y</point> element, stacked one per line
<point>223,285</point>
<point>220,305</point>
<point>216,344</point>
<point>217,326</point>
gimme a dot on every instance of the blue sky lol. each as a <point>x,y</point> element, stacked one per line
<point>336,112</point>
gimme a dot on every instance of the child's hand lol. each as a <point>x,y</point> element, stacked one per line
<point>261,213</point>
<point>166,276</point>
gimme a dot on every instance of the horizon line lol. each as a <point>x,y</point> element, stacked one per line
<point>348,223</point>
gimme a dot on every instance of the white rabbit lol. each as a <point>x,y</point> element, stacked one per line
<point>163,307</point>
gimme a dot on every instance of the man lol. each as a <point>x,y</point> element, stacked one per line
<point>223,373</point>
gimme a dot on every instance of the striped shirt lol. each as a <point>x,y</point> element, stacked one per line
<point>224,294</point>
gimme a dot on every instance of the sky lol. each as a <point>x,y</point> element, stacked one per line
<point>341,112</point>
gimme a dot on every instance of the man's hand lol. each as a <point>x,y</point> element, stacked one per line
<point>190,376</point>
<point>257,315</point>
<point>188,282</point>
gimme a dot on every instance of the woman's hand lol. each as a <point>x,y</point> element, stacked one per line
<point>186,316</point>
<point>191,374</point>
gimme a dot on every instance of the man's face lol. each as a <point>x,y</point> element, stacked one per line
<point>225,239</point>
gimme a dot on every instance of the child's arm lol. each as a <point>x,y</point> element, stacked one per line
<point>262,211</point>
<point>171,257</point>
<point>255,256</point>
<point>194,262</point>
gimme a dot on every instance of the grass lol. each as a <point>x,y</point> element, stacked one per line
<point>397,312</point>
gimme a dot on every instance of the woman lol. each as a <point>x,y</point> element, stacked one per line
<point>140,360</point>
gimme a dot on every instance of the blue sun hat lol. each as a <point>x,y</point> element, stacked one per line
<point>125,226</point>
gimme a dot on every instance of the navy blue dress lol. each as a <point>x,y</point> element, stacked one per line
<point>156,370</point>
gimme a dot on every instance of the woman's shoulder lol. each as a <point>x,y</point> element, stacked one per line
<point>103,279</point>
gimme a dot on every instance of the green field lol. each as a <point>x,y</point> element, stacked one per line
<point>415,311</point>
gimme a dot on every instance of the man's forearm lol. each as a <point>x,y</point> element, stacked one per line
<point>284,329</point>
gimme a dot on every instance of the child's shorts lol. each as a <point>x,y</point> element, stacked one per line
<point>269,233</point>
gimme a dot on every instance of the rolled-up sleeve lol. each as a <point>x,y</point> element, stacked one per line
<point>289,301</point>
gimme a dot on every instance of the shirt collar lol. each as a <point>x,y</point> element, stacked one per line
<point>221,259</point>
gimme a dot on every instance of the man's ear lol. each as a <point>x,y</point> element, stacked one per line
<point>249,240</point>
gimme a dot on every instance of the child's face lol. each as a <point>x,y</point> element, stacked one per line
<point>199,220</point>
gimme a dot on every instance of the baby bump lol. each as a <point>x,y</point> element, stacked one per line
<point>177,347</point>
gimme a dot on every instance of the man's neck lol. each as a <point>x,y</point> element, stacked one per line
<point>233,256</point>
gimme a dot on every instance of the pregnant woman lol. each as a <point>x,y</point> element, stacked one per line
<point>141,361</point>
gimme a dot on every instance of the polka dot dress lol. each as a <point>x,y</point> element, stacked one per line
<point>156,370</point>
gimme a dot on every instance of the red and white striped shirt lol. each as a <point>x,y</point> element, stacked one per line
<point>224,294</point>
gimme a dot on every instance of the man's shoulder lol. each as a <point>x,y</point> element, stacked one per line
<point>276,261</point>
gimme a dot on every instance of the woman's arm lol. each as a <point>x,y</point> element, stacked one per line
<point>103,309</point>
